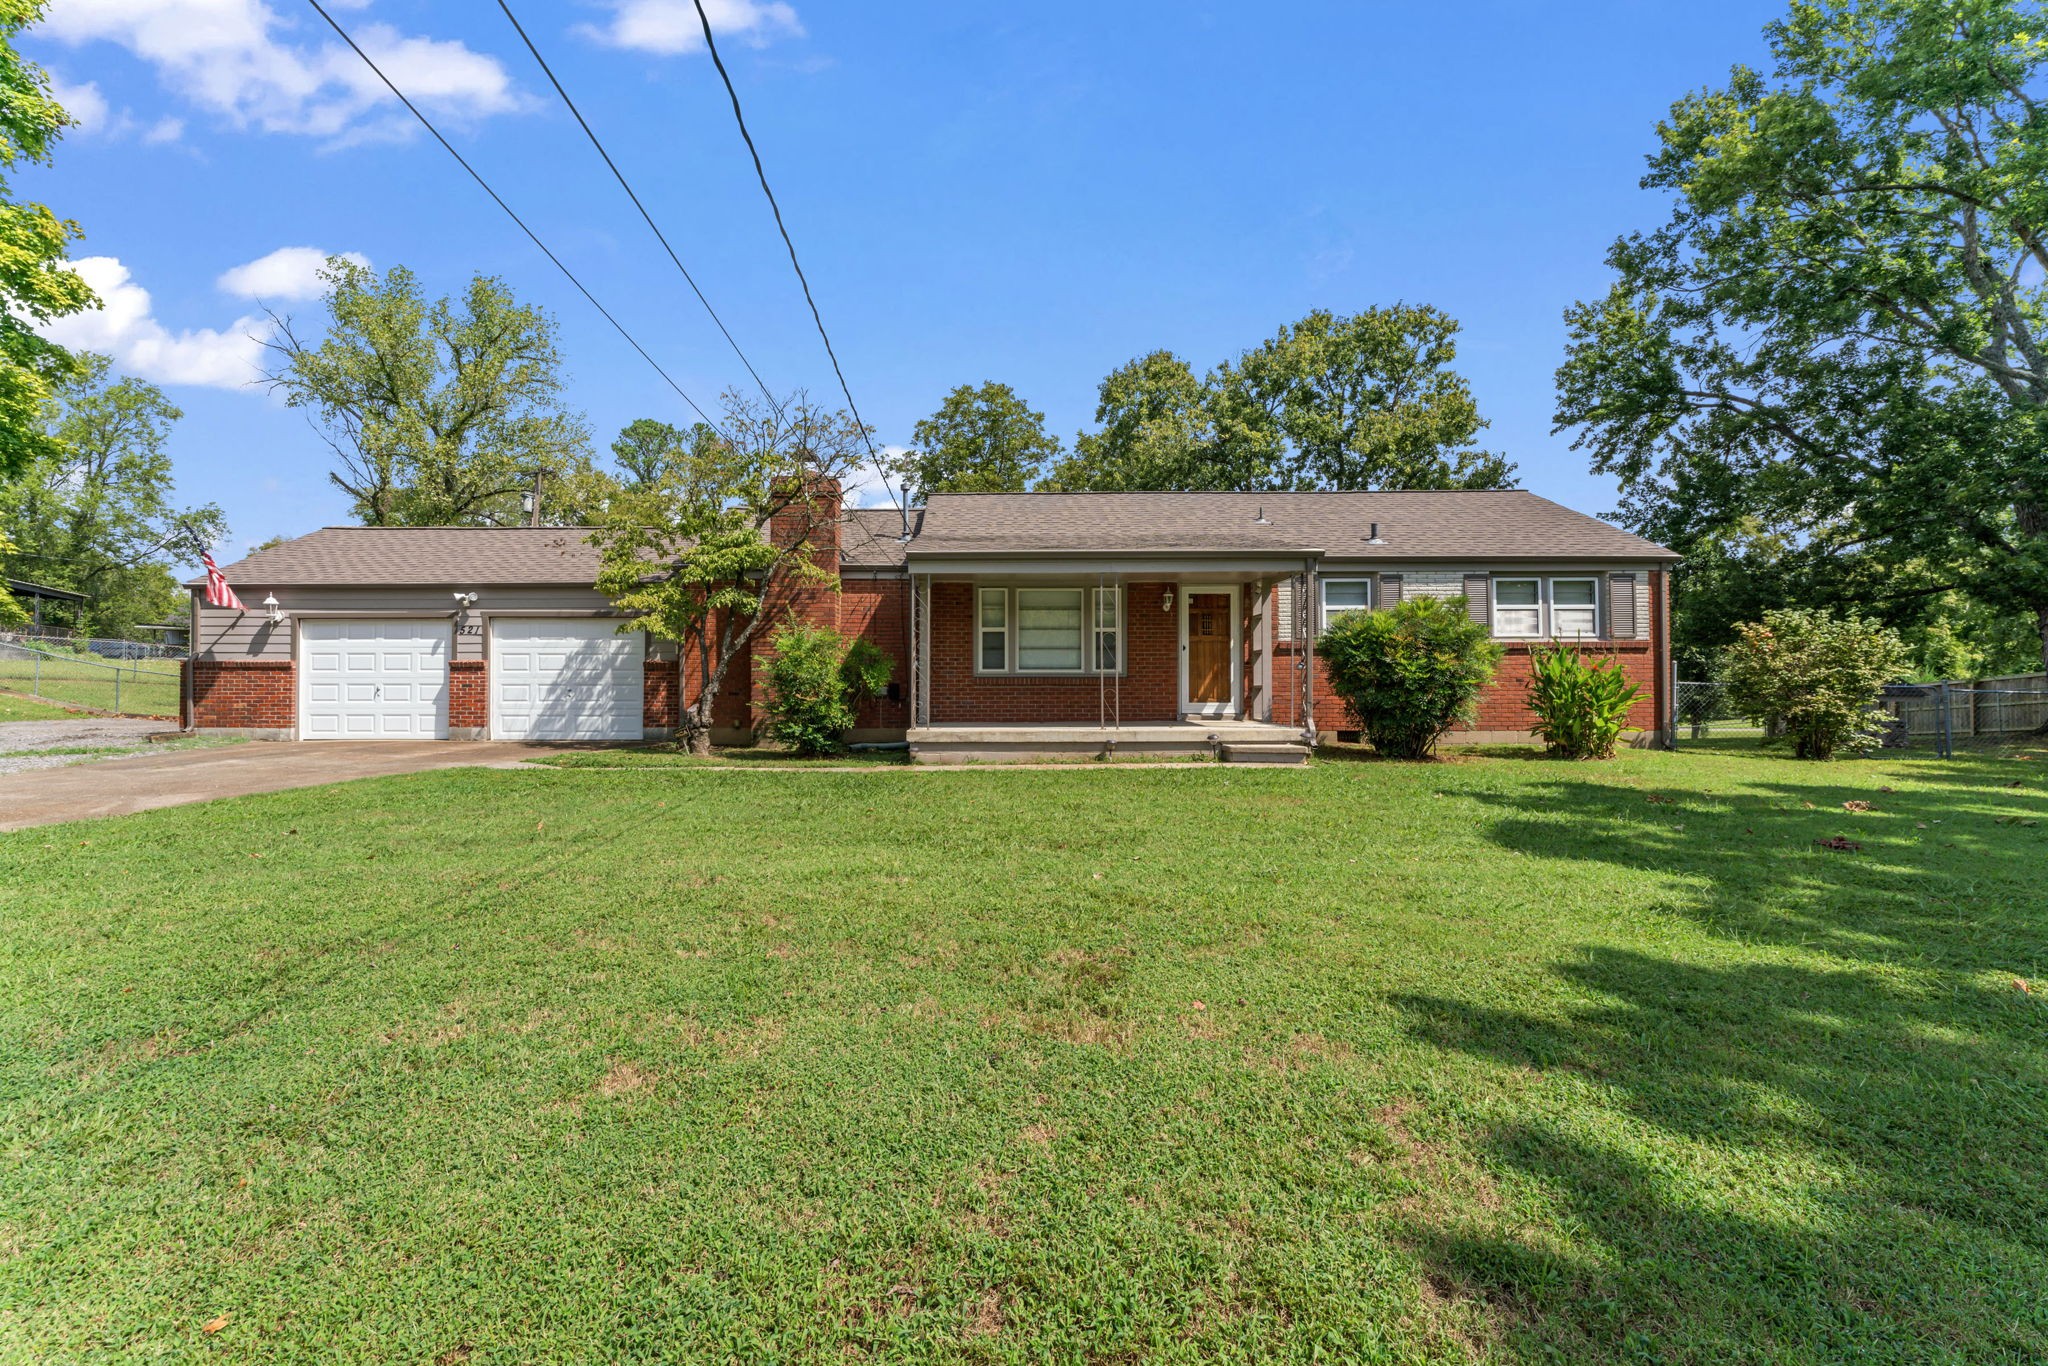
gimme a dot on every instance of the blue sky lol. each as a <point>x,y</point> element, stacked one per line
<point>1032,194</point>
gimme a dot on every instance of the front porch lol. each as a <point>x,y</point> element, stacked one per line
<point>1060,657</point>
<point>1221,739</point>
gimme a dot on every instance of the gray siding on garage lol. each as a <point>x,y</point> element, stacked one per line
<point>249,635</point>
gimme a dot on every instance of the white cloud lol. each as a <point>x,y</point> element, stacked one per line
<point>287,275</point>
<point>862,487</point>
<point>670,27</point>
<point>125,327</point>
<point>226,57</point>
<point>164,130</point>
<point>83,102</point>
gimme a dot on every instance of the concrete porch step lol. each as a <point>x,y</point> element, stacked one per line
<point>1256,752</point>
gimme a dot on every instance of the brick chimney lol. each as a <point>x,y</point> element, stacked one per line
<point>815,518</point>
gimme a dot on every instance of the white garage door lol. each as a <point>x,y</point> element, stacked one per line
<point>564,679</point>
<point>374,680</point>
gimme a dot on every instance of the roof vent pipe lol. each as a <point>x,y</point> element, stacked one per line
<point>903,506</point>
<point>1259,517</point>
<point>1373,536</point>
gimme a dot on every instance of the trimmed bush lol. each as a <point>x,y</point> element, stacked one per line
<point>1581,702</point>
<point>1409,673</point>
<point>1813,678</point>
<point>815,683</point>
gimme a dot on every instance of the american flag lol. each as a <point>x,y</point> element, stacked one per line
<point>218,594</point>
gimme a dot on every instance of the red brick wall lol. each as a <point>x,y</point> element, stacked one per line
<point>658,707</point>
<point>733,706</point>
<point>1150,687</point>
<point>243,693</point>
<point>1504,704</point>
<point>469,694</point>
<point>878,610</point>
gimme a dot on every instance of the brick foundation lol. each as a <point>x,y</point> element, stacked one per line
<point>244,694</point>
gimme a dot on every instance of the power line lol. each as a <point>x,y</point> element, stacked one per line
<point>620,176</point>
<point>532,236</point>
<point>711,45</point>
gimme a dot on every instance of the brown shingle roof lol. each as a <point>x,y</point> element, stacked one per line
<point>872,538</point>
<point>1483,524</point>
<point>354,556</point>
<point>1491,524</point>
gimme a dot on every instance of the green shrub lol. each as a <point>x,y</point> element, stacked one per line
<point>1409,673</point>
<point>866,670</point>
<point>1581,702</point>
<point>1813,678</point>
<point>816,681</point>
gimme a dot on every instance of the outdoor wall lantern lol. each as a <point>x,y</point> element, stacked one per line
<point>275,612</point>
<point>1166,601</point>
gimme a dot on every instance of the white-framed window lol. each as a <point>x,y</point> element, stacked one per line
<point>1518,607</point>
<point>1050,630</point>
<point>1345,595</point>
<point>1575,608</point>
<point>992,631</point>
<point>1109,631</point>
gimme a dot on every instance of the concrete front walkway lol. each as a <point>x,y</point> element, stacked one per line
<point>120,787</point>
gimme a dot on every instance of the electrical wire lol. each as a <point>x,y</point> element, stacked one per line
<point>620,176</point>
<point>760,172</point>
<point>497,199</point>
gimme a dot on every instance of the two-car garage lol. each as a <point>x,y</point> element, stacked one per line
<point>426,633</point>
<point>549,678</point>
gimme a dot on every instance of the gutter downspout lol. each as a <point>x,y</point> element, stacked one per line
<point>191,717</point>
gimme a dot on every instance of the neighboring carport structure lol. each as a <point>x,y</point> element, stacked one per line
<point>36,595</point>
<point>417,633</point>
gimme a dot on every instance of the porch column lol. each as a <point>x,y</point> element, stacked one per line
<point>1311,601</point>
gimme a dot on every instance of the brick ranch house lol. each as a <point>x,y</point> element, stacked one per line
<point>1021,624</point>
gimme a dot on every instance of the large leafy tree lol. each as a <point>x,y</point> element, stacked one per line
<point>1837,341</point>
<point>12,613</point>
<point>646,447</point>
<point>1155,429</point>
<point>439,412</point>
<point>97,512</point>
<point>688,554</point>
<point>35,286</point>
<point>983,439</point>
<point>1364,401</point>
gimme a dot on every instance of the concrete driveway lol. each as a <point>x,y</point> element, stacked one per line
<point>120,787</point>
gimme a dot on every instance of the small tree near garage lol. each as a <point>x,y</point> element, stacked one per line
<point>1409,673</point>
<point>1814,678</point>
<point>710,551</point>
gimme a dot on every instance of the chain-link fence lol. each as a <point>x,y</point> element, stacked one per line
<point>1703,712</point>
<point>127,687</point>
<point>1983,716</point>
<point>101,647</point>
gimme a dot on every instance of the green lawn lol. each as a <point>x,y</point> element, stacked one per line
<point>132,687</point>
<point>1501,1058</point>
<point>14,707</point>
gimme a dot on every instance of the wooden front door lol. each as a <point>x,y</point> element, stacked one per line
<point>1209,634</point>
